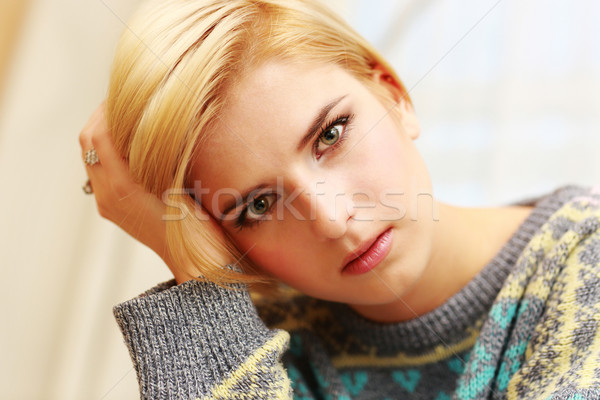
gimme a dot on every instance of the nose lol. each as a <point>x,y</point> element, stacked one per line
<point>327,209</point>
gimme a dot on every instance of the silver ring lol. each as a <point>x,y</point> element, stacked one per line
<point>87,187</point>
<point>91,157</point>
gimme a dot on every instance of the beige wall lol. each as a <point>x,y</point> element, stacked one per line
<point>62,266</point>
<point>11,18</point>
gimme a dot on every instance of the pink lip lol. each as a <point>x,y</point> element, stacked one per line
<point>370,254</point>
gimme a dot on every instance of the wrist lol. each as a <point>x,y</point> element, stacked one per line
<point>178,273</point>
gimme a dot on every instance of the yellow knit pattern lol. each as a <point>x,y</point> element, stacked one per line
<point>244,384</point>
<point>565,346</point>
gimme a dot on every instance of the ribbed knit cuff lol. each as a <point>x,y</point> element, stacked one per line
<point>184,339</point>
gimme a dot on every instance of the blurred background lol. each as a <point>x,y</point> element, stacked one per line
<point>508,94</point>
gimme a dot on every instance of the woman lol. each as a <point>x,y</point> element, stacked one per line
<point>266,135</point>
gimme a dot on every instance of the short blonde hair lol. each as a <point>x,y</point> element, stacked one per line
<point>172,69</point>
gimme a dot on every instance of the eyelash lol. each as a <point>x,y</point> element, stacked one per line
<point>344,120</point>
<point>242,221</point>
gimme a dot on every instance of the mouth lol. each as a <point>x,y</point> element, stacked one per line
<point>369,254</point>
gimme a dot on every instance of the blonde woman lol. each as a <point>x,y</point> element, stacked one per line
<point>263,144</point>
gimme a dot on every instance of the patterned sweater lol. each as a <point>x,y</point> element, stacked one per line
<point>526,327</point>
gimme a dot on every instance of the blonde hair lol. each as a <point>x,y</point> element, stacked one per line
<point>172,69</point>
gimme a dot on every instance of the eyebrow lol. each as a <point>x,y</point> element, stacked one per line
<point>318,122</point>
<point>310,134</point>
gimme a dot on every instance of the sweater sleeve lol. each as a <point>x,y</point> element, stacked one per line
<point>201,341</point>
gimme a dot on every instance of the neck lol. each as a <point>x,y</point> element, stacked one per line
<point>464,241</point>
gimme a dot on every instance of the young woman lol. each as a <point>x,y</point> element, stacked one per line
<point>253,141</point>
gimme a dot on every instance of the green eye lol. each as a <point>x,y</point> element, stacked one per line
<point>330,136</point>
<point>259,206</point>
<point>257,209</point>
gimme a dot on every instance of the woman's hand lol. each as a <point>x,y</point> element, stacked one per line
<point>121,200</point>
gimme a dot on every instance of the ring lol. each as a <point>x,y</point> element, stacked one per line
<point>87,187</point>
<point>90,157</point>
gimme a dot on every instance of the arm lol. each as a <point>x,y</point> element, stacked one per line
<point>192,340</point>
<point>198,340</point>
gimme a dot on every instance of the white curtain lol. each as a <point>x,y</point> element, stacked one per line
<point>508,94</point>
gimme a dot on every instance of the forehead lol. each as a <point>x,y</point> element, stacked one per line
<point>265,115</point>
<point>279,95</point>
<point>282,86</point>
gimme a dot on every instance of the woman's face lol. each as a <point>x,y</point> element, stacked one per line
<point>305,169</point>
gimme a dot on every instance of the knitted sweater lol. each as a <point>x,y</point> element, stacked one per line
<point>525,327</point>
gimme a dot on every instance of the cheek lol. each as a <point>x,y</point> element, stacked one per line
<point>271,259</point>
<point>387,165</point>
<point>272,256</point>
<point>383,161</point>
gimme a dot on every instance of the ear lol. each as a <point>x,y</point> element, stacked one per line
<point>398,93</point>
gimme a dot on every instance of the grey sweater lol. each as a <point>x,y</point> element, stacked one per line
<point>525,327</point>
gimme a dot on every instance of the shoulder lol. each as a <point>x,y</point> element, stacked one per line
<point>564,249</point>
<point>563,194</point>
<point>542,333</point>
<point>564,230</point>
<point>564,260</point>
<point>573,214</point>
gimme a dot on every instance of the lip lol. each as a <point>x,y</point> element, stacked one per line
<point>369,254</point>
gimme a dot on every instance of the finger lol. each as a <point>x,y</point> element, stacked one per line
<point>90,157</point>
<point>97,178</point>
<point>96,175</point>
<point>101,141</point>
<point>85,136</point>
